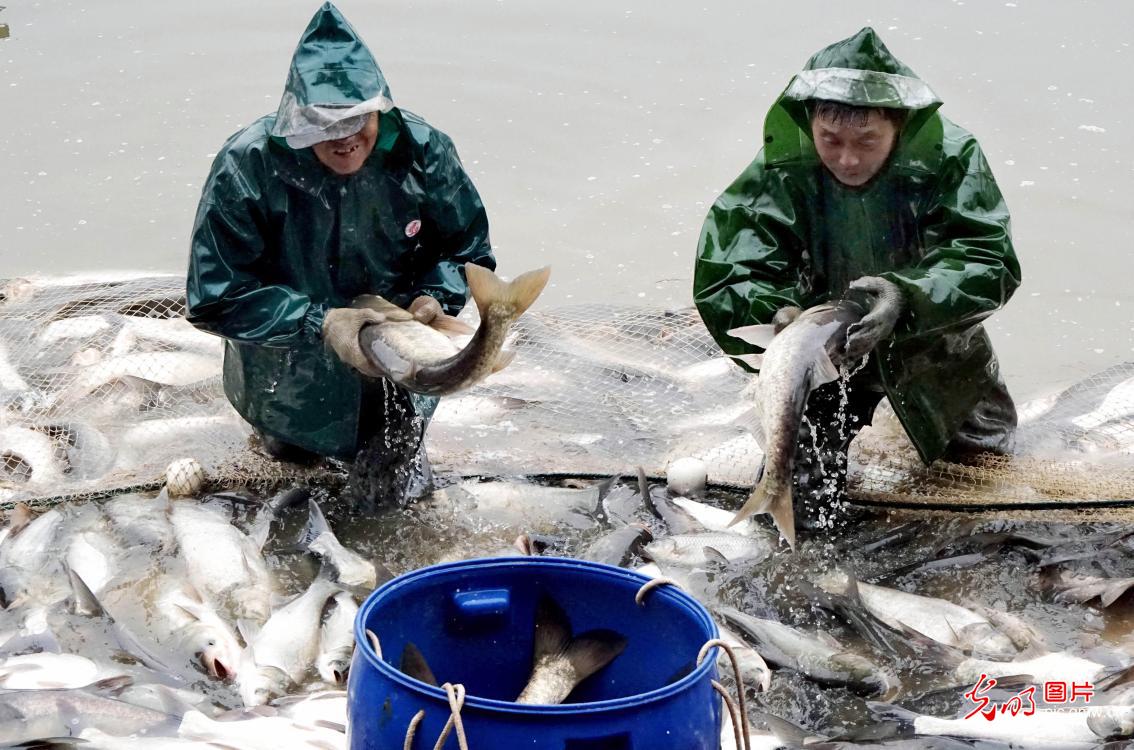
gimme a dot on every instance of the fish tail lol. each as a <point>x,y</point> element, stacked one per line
<point>778,507</point>
<point>489,290</point>
<point>592,651</point>
<point>783,513</point>
<point>316,526</point>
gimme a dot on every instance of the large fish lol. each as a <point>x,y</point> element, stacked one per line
<point>561,661</point>
<point>336,640</point>
<point>937,619</point>
<point>223,563</point>
<point>820,657</point>
<point>280,654</point>
<point>424,360</point>
<point>803,356</point>
<point>352,569</point>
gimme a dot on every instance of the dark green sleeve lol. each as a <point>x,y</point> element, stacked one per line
<point>458,227</point>
<point>969,269</point>
<point>748,256</point>
<point>228,260</point>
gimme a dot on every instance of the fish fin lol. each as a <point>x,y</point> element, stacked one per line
<point>503,359</point>
<point>778,507</point>
<point>316,526</point>
<point>270,511</point>
<point>714,555</point>
<point>755,361</point>
<point>1113,678</point>
<point>760,335</point>
<point>824,371</point>
<point>829,640</point>
<point>552,629</point>
<point>451,326</point>
<point>248,631</point>
<point>643,485</point>
<point>84,599</point>
<point>112,685</point>
<point>414,664</point>
<point>487,288</point>
<point>592,651</point>
<point>18,517</point>
<point>1115,590</point>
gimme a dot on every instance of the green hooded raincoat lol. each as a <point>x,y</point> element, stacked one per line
<point>279,239</point>
<point>932,221</point>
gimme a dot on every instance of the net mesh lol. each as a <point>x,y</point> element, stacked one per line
<point>104,386</point>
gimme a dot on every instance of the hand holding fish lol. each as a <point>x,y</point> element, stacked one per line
<point>784,317</point>
<point>879,323</point>
<point>340,333</point>
<point>424,309</point>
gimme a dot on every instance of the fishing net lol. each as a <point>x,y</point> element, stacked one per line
<point>103,386</point>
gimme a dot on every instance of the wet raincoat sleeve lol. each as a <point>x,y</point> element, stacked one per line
<point>459,227</point>
<point>229,257</point>
<point>969,267</point>
<point>749,256</point>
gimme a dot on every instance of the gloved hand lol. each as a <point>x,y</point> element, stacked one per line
<point>425,308</point>
<point>784,317</point>
<point>341,327</point>
<point>887,306</point>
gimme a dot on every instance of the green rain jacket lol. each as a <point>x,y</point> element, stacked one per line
<point>279,239</point>
<point>932,221</point>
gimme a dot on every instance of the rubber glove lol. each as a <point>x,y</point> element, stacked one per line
<point>886,307</point>
<point>425,309</point>
<point>784,317</point>
<point>341,327</point>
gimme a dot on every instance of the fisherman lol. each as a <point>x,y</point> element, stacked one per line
<point>863,189</point>
<point>337,194</point>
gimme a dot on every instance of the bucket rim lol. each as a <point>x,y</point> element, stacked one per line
<point>491,705</point>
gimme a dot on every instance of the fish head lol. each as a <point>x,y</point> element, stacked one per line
<point>217,651</point>
<point>1111,722</point>
<point>258,684</point>
<point>333,667</point>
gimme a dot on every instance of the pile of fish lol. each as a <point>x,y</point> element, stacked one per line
<point>99,379</point>
<point>122,619</point>
<point>228,620</point>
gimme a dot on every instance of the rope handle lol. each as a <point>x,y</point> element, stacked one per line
<point>743,725</point>
<point>740,727</point>
<point>456,696</point>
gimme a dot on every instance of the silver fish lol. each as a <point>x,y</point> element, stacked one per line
<point>35,714</point>
<point>29,457</point>
<point>803,356</point>
<point>352,569</point>
<point>1041,729</point>
<point>559,660</point>
<point>422,359</point>
<point>280,653</point>
<point>938,619</point>
<point>619,546</point>
<point>820,656</point>
<point>709,547</point>
<point>222,562</point>
<point>336,640</point>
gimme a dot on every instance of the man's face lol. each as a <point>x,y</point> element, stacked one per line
<point>854,153</point>
<point>347,155</point>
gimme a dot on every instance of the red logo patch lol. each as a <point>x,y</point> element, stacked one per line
<point>413,228</point>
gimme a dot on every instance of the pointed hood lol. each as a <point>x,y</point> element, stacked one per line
<point>858,70</point>
<point>334,82</point>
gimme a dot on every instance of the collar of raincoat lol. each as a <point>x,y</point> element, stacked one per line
<point>858,70</point>
<point>333,76</point>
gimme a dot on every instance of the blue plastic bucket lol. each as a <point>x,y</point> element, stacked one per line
<point>474,621</point>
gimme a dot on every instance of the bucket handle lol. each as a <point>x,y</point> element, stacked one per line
<point>736,709</point>
<point>456,695</point>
